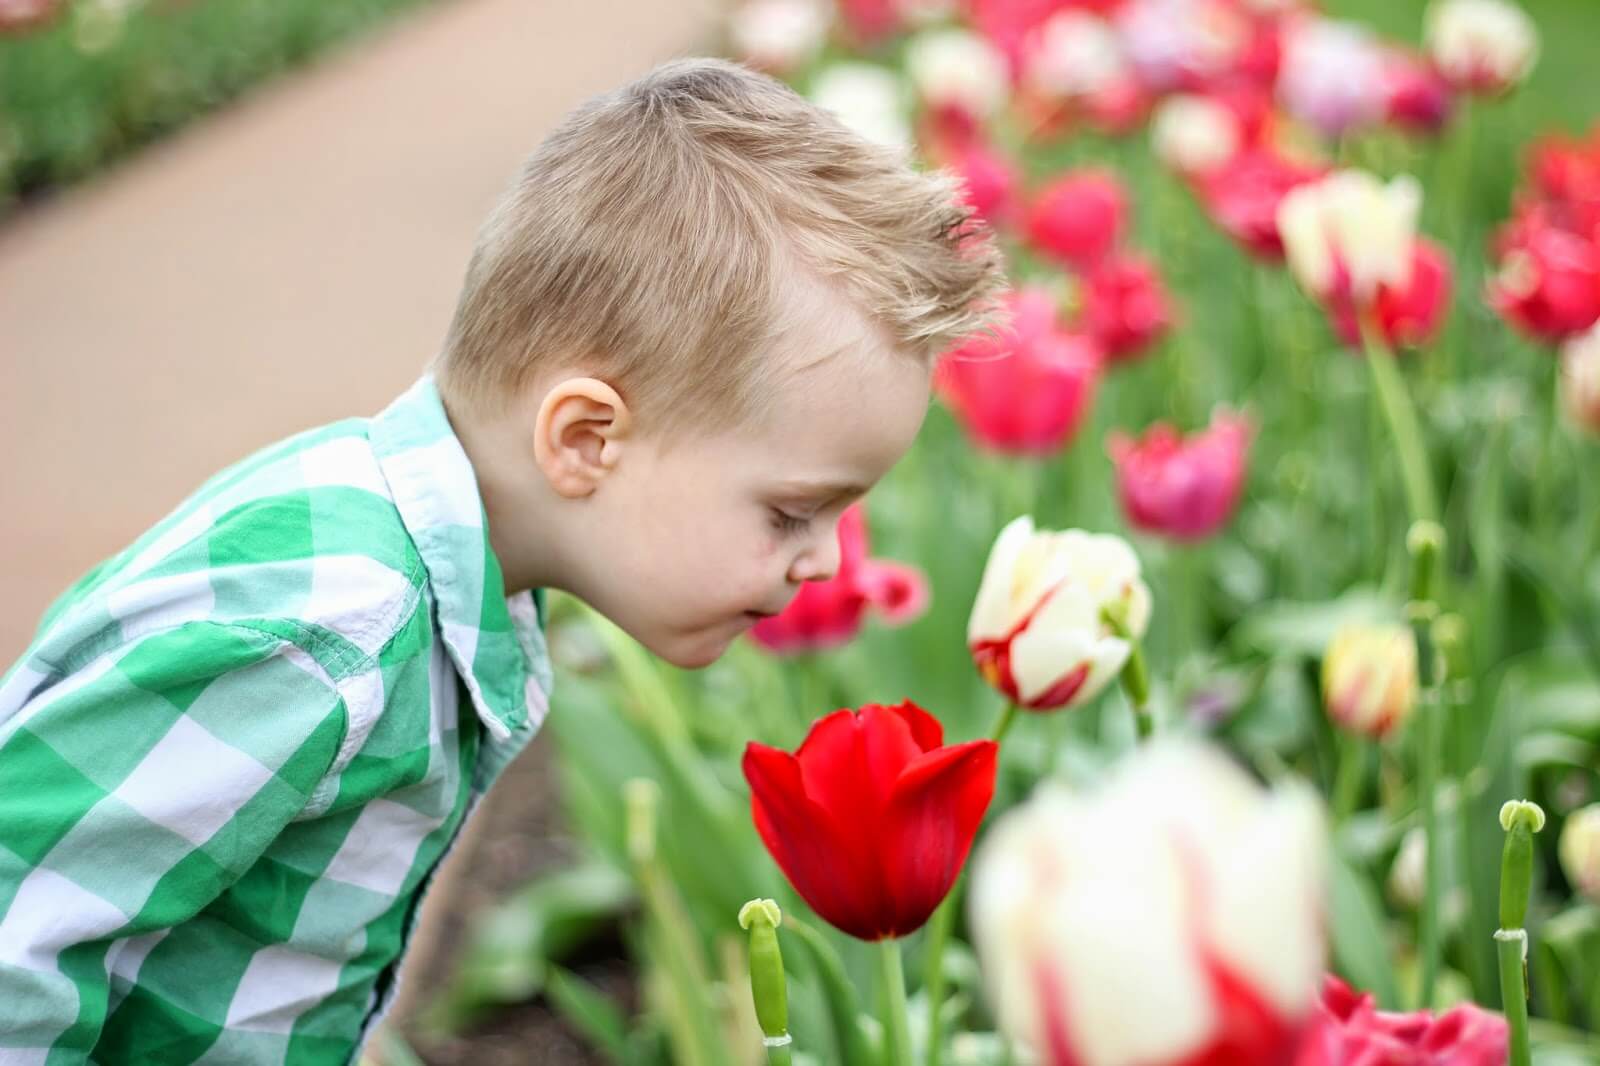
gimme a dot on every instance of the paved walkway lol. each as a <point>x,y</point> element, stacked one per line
<point>291,260</point>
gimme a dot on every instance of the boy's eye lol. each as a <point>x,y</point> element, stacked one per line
<point>787,523</point>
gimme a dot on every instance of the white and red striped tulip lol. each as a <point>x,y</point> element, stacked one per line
<point>779,36</point>
<point>1369,678</point>
<point>1349,234</point>
<point>1195,134</point>
<point>1172,918</point>
<point>1038,630</point>
<point>1580,380</point>
<point>1482,45</point>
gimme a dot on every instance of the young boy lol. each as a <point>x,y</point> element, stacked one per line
<point>697,327</point>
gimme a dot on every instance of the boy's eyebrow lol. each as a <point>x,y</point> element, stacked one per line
<point>829,489</point>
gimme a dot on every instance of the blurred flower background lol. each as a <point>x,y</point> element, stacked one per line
<point>1273,509</point>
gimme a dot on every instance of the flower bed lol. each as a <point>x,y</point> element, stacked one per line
<point>1225,657</point>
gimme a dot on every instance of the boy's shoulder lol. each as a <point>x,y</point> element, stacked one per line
<point>302,540</point>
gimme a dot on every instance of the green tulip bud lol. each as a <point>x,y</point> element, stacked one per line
<point>767,984</point>
<point>1520,819</point>
<point>1425,541</point>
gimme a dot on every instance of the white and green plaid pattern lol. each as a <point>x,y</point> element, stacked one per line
<point>233,757</point>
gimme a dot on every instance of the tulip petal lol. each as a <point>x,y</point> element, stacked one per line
<point>991,610</point>
<point>899,592</point>
<point>807,844</point>
<point>850,760</point>
<point>1040,658</point>
<point>926,730</point>
<point>933,815</point>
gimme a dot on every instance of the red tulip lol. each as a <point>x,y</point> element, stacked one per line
<point>1243,196</point>
<point>989,183</point>
<point>872,817</point>
<point>1549,279</point>
<point>1415,95</point>
<point>1078,218</point>
<point>1025,391</point>
<point>1566,180</point>
<point>828,613</point>
<point>1409,317</point>
<point>1349,1031</point>
<point>1125,305</point>
<point>1183,488</point>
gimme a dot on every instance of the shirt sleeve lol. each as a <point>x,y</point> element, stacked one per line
<point>133,792</point>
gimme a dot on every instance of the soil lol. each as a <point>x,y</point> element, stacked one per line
<point>515,837</point>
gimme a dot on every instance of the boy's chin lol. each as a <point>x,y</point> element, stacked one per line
<point>693,651</point>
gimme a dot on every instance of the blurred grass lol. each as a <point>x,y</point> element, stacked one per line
<point>1562,84</point>
<point>108,76</point>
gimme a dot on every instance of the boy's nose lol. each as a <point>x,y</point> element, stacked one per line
<point>820,560</point>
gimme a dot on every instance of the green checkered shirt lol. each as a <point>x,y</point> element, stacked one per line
<point>236,752</point>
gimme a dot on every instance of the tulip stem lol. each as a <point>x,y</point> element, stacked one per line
<point>1402,418</point>
<point>1002,726</point>
<point>1520,820</point>
<point>939,931</point>
<point>1349,777</point>
<point>892,991</point>
<point>1427,778</point>
<point>1135,676</point>
<point>933,969</point>
<point>1510,945</point>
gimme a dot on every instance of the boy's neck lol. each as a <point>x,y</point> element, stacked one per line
<point>518,506</point>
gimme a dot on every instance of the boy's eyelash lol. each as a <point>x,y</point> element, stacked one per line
<point>787,523</point>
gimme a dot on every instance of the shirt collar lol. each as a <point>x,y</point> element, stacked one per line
<point>497,643</point>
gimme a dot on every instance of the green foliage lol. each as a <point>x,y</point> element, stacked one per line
<point>107,77</point>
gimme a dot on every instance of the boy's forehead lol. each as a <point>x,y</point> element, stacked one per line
<point>844,418</point>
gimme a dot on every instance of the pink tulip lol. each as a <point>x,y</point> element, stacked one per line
<point>870,21</point>
<point>1010,23</point>
<point>1242,197</point>
<point>1118,107</point>
<point>18,16</point>
<point>1125,305</point>
<point>1184,488</point>
<point>829,613</point>
<point>1350,1031</point>
<point>1415,95</point>
<point>1025,391</point>
<point>1549,279</point>
<point>1078,218</point>
<point>989,183</point>
<point>1408,315</point>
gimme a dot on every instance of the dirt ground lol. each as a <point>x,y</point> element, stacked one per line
<point>292,260</point>
<point>516,837</point>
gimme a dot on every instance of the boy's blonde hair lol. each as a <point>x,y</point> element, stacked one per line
<point>651,235</point>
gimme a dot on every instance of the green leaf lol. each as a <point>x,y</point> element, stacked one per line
<point>590,1011</point>
<point>843,1010</point>
<point>1304,629</point>
<point>1361,950</point>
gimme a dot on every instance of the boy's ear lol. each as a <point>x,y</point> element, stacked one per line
<point>578,434</point>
